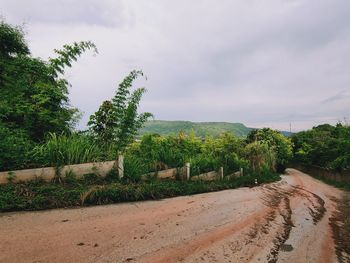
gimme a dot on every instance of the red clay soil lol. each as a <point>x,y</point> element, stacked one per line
<point>293,220</point>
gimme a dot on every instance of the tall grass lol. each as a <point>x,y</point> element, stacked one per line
<point>64,149</point>
<point>133,168</point>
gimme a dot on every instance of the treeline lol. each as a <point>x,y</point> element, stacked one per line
<point>325,146</point>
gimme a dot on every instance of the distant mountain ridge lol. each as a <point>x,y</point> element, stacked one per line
<point>201,129</point>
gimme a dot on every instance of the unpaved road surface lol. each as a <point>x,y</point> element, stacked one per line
<point>298,219</point>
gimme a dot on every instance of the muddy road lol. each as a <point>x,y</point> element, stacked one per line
<point>298,219</point>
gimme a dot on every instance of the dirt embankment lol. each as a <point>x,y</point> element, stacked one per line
<point>294,220</point>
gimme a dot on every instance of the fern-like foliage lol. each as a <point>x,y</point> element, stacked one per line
<point>117,121</point>
<point>68,54</point>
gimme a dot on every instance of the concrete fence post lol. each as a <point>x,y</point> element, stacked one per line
<point>241,171</point>
<point>120,166</point>
<point>187,176</point>
<point>221,173</point>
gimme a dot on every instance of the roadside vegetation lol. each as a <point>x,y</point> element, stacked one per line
<point>324,147</point>
<point>92,190</point>
<point>37,130</point>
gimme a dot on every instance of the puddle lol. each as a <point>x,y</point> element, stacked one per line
<point>286,247</point>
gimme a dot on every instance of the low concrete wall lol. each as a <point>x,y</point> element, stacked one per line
<point>336,176</point>
<point>210,176</point>
<point>173,173</point>
<point>234,175</point>
<point>48,173</point>
<point>164,174</point>
<point>102,168</point>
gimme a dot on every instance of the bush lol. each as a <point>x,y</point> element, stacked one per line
<point>203,164</point>
<point>59,150</point>
<point>279,146</point>
<point>325,146</point>
<point>260,157</point>
<point>15,146</point>
<point>133,168</point>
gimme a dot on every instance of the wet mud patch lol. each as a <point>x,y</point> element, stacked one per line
<point>317,209</point>
<point>340,223</point>
<point>279,200</point>
<point>286,213</point>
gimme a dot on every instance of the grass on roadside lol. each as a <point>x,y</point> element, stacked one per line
<point>92,190</point>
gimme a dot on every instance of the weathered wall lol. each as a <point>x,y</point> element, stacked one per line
<point>210,176</point>
<point>102,168</point>
<point>48,173</point>
<point>343,176</point>
<point>234,175</point>
<point>173,173</point>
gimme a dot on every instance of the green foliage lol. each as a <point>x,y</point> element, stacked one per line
<point>227,150</point>
<point>102,122</point>
<point>117,121</point>
<point>38,195</point>
<point>201,129</point>
<point>163,152</point>
<point>68,54</point>
<point>59,150</point>
<point>326,146</point>
<point>203,163</point>
<point>260,156</point>
<point>15,146</point>
<point>33,98</point>
<point>133,168</point>
<point>276,142</point>
<point>12,41</point>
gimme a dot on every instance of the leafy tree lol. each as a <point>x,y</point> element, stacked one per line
<point>261,156</point>
<point>324,145</point>
<point>228,150</point>
<point>276,141</point>
<point>12,41</point>
<point>117,121</point>
<point>102,122</point>
<point>33,94</point>
<point>15,146</point>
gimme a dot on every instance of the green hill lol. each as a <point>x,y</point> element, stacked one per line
<point>201,129</point>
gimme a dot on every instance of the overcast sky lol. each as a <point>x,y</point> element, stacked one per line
<point>262,63</point>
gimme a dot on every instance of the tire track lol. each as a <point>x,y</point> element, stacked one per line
<point>279,199</point>
<point>340,223</point>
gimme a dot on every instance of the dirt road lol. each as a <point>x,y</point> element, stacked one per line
<point>293,220</point>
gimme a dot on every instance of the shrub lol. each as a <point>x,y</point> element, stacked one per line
<point>278,145</point>
<point>59,150</point>
<point>133,168</point>
<point>15,146</point>
<point>260,157</point>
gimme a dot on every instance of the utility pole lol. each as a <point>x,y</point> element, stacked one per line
<point>290,127</point>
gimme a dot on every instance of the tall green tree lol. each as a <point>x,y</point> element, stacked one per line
<point>33,93</point>
<point>118,121</point>
<point>275,141</point>
<point>324,145</point>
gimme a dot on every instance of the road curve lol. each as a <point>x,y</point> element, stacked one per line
<point>295,220</point>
